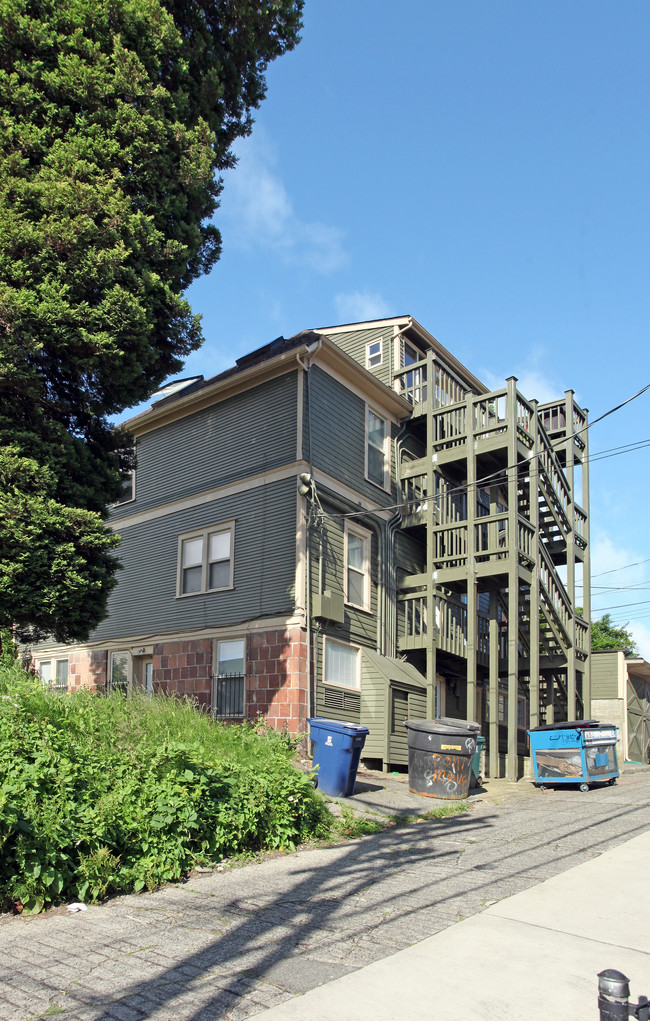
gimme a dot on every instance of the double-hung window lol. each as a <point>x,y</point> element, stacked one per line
<point>54,674</point>
<point>205,560</point>
<point>374,354</point>
<point>341,664</point>
<point>357,566</point>
<point>376,448</point>
<point>228,695</point>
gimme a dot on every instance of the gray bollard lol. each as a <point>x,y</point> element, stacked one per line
<point>613,995</point>
<point>614,998</point>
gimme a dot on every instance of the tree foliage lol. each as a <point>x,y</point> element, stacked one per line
<point>116,117</point>
<point>604,635</point>
<point>56,566</point>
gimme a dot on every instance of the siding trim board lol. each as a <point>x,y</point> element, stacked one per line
<point>208,495</point>
<point>146,641</point>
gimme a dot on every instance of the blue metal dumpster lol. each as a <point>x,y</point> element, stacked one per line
<point>337,750</point>
<point>577,752</point>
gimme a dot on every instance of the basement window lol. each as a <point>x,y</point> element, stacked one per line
<point>54,674</point>
<point>229,684</point>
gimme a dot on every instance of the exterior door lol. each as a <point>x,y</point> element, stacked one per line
<point>638,719</point>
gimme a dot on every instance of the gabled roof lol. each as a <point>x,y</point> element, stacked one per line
<point>275,358</point>
<point>425,338</point>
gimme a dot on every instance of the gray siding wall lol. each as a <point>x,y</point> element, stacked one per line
<point>248,433</point>
<point>354,345</point>
<point>338,440</point>
<point>604,674</point>
<point>360,626</point>
<point>145,602</point>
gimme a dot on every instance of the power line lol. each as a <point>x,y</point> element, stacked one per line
<point>624,568</point>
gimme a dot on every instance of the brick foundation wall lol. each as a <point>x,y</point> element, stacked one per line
<point>277,678</point>
<point>87,669</point>
<point>184,668</point>
<point>277,684</point>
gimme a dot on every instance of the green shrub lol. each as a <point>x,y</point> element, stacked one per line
<point>100,794</point>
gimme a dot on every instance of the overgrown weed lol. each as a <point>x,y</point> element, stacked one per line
<point>100,794</point>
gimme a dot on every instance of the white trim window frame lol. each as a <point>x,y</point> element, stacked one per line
<point>54,673</point>
<point>206,560</point>
<point>358,547</point>
<point>128,486</point>
<point>229,685</point>
<point>128,483</point>
<point>341,665</point>
<point>120,672</point>
<point>377,437</point>
<point>374,353</point>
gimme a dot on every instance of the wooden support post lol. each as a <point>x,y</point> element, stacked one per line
<point>513,582</point>
<point>586,575</point>
<point>471,572</point>
<point>571,561</point>
<point>431,517</point>
<point>534,636</point>
<point>493,690</point>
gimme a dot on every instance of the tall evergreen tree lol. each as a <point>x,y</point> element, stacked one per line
<point>116,117</point>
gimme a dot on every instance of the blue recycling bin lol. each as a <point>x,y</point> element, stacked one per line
<point>337,750</point>
<point>577,752</point>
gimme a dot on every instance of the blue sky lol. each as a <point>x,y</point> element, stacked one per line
<point>483,167</point>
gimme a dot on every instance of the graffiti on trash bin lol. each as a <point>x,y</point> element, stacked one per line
<point>448,774</point>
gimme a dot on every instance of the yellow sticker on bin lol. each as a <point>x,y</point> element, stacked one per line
<point>451,747</point>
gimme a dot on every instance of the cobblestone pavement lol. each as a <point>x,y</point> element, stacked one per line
<point>230,944</point>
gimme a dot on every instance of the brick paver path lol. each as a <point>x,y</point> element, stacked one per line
<point>229,944</point>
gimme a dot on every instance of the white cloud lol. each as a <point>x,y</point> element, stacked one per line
<point>620,577</point>
<point>531,382</point>
<point>533,379</point>
<point>257,212</point>
<point>359,306</point>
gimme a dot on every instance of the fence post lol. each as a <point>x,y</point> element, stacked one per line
<point>613,995</point>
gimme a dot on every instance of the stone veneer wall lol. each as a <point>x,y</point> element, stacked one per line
<point>612,710</point>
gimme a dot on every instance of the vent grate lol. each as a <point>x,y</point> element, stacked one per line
<point>337,700</point>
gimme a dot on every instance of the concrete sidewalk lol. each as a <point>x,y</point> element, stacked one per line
<point>368,926</point>
<point>534,955</point>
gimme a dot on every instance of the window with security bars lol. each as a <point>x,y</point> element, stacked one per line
<point>229,683</point>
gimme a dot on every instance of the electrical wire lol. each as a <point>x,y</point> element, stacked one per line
<point>501,472</point>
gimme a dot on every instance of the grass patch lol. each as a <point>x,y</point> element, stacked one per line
<point>348,824</point>
<point>103,794</point>
<point>353,826</point>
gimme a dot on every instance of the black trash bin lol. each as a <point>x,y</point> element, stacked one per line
<point>440,757</point>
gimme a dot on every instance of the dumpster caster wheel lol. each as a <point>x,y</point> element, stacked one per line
<point>541,786</point>
<point>584,786</point>
<point>612,781</point>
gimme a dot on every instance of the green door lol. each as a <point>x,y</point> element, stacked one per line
<point>638,719</point>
